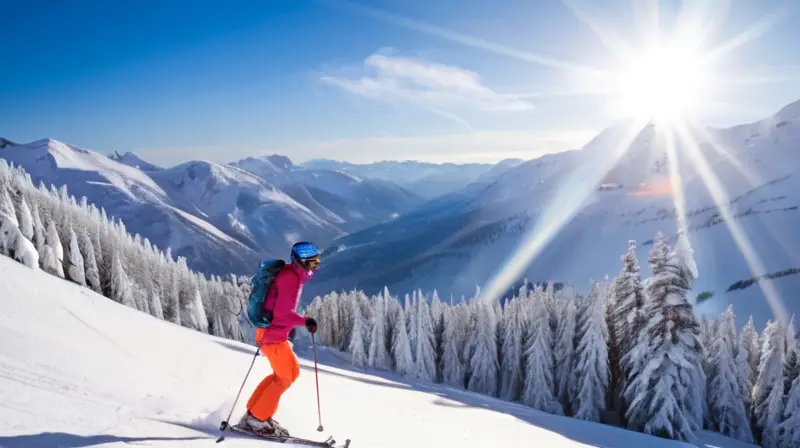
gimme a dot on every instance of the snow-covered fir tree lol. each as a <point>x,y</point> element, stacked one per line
<point>790,426</point>
<point>791,362</point>
<point>747,358</point>
<point>378,354</point>
<point>511,374</point>
<point>484,363</point>
<point>401,347</point>
<point>768,404</point>
<point>665,391</point>
<point>76,271</point>
<point>592,368</point>
<point>453,343</point>
<point>564,353</point>
<point>25,220</point>
<point>54,253</point>
<point>727,412</point>
<point>357,345</point>
<point>425,358</point>
<point>539,386</point>
<point>627,317</point>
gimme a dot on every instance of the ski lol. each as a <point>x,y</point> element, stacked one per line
<point>330,443</point>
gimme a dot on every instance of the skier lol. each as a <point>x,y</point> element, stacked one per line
<point>282,298</point>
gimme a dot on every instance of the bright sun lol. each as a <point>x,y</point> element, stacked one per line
<point>663,84</point>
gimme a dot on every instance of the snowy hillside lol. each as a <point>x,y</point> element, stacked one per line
<point>428,180</point>
<point>133,160</point>
<point>243,205</point>
<point>134,197</point>
<point>462,240</point>
<point>348,202</point>
<point>119,376</point>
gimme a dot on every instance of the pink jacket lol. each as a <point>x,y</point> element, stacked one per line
<point>282,298</point>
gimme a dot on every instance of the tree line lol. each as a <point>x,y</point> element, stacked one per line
<point>631,352</point>
<point>48,229</point>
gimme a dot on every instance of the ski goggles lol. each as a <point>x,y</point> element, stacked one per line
<point>311,263</point>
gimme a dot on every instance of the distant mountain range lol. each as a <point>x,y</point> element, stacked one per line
<point>584,206</point>
<point>386,223</point>
<point>222,218</point>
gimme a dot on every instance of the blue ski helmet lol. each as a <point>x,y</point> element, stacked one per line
<point>306,254</point>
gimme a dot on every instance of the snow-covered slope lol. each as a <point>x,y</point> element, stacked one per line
<point>134,160</point>
<point>428,180</point>
<point>462,240</point>
<point>269,167</point>
<point>134,197</point>
<point>78,370</point>
<point>6,143</point>
<point>243,205</point>
<point>350,203</point>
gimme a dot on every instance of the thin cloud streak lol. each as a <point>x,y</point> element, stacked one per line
<point>432,86</point>
<point>460,38</point>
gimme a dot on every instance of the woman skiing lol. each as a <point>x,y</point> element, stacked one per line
<point>282,298</point>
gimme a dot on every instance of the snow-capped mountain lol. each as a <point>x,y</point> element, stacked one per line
<point>269,167</point>
<point>243,205</point>
<point>347,201</point>
<point>132,196</point>
<point>428,180</point>
<point>465,239</point>
<point>134,160</point>
<point>4,143</point>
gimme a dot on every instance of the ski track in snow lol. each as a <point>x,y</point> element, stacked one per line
<point>79,370</point>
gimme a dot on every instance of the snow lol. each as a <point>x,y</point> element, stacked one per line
<point>469,238</point>
<point>77,369</point>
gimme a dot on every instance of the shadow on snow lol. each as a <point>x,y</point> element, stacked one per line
<point>76,441</point>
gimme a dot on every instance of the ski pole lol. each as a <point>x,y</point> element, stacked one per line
<point>224,425</point>
<point>316,375</point>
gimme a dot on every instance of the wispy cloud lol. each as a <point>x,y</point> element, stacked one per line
<point>439,88</point>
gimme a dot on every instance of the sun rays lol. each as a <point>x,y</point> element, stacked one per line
<point>666,84</point>
<point>669,79</point>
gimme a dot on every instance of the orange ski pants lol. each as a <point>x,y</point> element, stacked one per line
<point>285,369</point>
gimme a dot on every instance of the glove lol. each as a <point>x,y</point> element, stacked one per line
<point>311,325</point>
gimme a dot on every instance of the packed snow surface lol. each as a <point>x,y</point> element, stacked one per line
<point>79,370</point>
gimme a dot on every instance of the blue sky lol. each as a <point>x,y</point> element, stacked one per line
<point>450,80</point>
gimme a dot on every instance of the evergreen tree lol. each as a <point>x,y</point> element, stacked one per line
<point>378,355</point>
<point>25,220</point>
<point>7,207</point>
<point>454,324</point>
<point>564,352</point>
<point>768,403</point>
<point>120,284</point>
<point>727,412</point>
<point>75,269</point>
<point>664,389</point>
<point>90,263</point>
<point>511,374</point>
<point>401,348</point>
<point>425,358</point>
<point>790,427</point>
<point>539,386</point>
<point>627,317</point>
<point>38,232</point>
<point>54,254</point>
<point>592,360</point>
<point>357,347</point>
<point>747,363</point>
<point>484,363</point>
<point>791,364</point>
